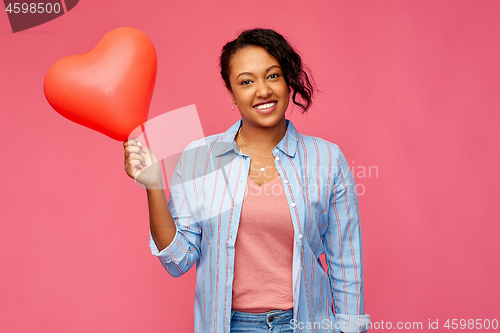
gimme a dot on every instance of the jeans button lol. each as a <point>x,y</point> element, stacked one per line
<point>271,318</point>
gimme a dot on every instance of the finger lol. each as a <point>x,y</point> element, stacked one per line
<point>137,157</point>
<point>134,149</point>
<point>128,145</point>
<point>134,156</point>
<point>130,142</point>
<point>134,143</point>
<point>135,164</point>
<point>132,168</point>
<point>144,149</point>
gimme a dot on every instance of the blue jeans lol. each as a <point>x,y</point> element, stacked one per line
<point>275,321</point>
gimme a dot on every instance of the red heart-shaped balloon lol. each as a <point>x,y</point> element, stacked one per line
<point>109,88</point>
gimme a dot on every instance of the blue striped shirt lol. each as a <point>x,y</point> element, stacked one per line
<point>207,190</point>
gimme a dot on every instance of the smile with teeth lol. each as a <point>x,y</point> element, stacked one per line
<point>265,106</point>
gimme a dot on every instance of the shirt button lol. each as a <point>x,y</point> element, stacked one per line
<point>277,158</point>
<point>300,235</point>
<point>276,151</point>
<point>293,204</point>
<point>286,181</point>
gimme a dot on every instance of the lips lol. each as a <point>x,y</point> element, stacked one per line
<point>265,105</point>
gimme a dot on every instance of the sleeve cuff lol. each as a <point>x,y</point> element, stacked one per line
<point>175,251</point>
<point>352,323</point>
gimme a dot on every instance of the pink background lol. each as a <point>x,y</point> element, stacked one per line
<point>408,87</point>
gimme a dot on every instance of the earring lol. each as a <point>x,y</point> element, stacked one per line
<point>234,104</point>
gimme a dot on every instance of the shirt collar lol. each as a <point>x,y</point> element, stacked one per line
<point>287,145</point>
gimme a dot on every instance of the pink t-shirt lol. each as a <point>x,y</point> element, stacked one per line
<point>263,250</point>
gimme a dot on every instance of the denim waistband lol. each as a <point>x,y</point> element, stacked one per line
<point>271,318</point>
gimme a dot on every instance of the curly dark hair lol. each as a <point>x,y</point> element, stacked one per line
<point>278,47</point>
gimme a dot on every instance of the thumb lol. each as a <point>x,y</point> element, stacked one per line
<point>147,153</point>
<point>144,149</point>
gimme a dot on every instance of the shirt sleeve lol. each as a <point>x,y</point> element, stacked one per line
<point>343,250</point>
<point>184,250</point>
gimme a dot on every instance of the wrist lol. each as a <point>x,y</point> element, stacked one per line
<point>153,187</point>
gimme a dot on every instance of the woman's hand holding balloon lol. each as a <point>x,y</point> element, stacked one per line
<point>142,165</point>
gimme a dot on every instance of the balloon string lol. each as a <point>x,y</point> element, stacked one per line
<point>162,161</point>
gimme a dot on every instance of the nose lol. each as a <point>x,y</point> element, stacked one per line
<point>263,89</point>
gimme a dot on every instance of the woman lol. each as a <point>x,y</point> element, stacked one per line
<point>255,207</point>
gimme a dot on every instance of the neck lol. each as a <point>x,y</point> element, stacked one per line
<point>263,137</point>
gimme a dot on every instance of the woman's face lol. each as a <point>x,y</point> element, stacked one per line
<point>258,87</point>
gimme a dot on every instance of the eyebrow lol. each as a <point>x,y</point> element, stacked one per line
<point>267,70</point>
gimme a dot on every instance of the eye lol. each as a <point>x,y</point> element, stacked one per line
<point>273,76</point>
<point>246,82</point>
